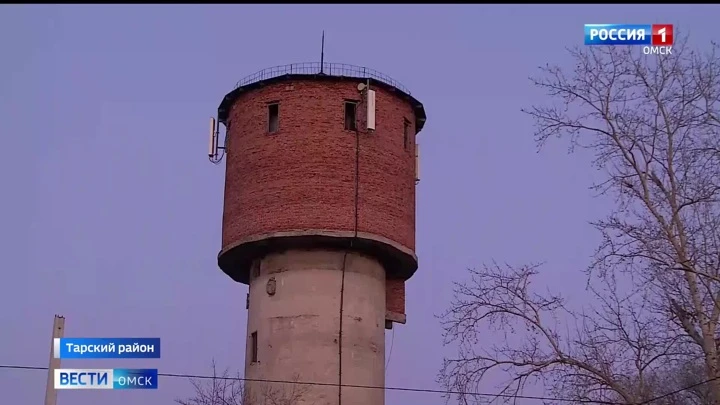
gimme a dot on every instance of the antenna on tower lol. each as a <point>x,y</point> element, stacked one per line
<point>213,139</point>
<point>369,95</point>
<point>213,143</point>
<point>322,54</point>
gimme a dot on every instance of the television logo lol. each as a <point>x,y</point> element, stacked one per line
<point>106,379</point>
<point>657,38</point>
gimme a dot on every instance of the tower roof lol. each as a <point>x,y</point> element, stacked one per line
<point>319,71</point>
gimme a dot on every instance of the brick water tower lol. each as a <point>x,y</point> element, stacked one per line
<point>319,221</point>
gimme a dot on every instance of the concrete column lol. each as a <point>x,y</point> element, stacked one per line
<point>58,332</point>
<point>295,310</point>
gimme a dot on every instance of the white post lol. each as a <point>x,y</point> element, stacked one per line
<point>58,332</point>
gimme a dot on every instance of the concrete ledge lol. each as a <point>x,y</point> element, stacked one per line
<point>236,259</point>
<point>395,317</point>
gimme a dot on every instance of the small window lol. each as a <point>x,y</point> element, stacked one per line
<point>253,348</point>
<point>273,117</point>
<point>406,134</point>
<point>350,116</point>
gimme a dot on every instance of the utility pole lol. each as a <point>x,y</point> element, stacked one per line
<point>58,332</point>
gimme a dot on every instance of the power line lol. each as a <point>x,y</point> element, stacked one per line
<point>403,389</point>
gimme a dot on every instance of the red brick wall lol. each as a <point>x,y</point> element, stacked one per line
<point>302,177</point>
<point>395,296</point>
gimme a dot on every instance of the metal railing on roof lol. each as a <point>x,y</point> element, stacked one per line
<point>313,68</point>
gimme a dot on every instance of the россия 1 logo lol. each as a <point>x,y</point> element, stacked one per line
<point>656,38</point>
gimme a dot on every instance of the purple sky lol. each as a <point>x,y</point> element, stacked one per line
<point>112,212</point>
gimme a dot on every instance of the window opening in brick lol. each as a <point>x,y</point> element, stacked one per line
<point>273,117</point>
<point>350,115</point>
<point>254,347</point>
<point>406,134</point>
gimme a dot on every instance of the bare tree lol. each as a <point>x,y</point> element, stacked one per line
<point>272,394</point>
<point>219,389</point>
<point>227,389</point>
<point>653,126</point>
<point>607,354</point>
<point>676,381</point>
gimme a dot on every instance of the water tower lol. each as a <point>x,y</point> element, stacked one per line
<point>319,221</point>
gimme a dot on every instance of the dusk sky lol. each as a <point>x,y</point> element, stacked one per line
<point>112,213</point>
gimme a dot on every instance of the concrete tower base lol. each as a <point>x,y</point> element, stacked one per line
<point>294,323</point>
